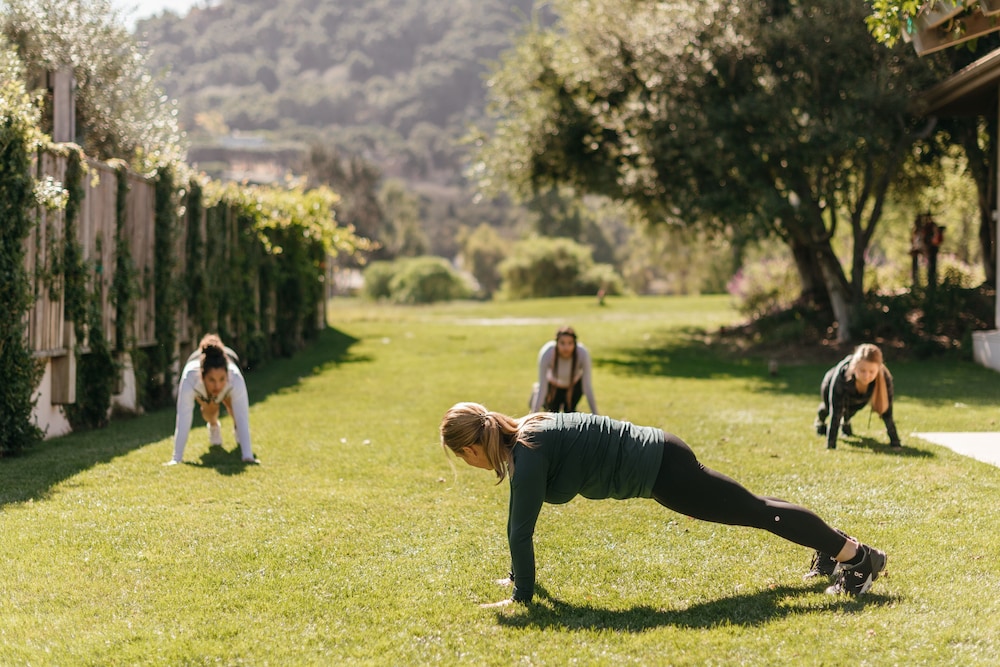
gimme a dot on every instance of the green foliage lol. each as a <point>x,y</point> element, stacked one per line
<point>97,372</point>
<point>718,115</point>
<point>73,269</point>
<point>264,262</point>
<point>890,18</point>
<point>158,390</point>
<point>369,79</point>
<point>20,373</point>
<point>124,287</point>
<point>377,276</point>
<point>414,280</point>
<point>551,267</point>
<point>120,106</point>
<point>482,252</point>
<point>930,322</point>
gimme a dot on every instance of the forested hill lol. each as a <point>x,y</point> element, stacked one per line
<point>395,80</point>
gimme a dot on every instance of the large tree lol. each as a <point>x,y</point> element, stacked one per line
<point>776,117</point>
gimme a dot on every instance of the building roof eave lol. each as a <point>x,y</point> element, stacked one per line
<point>971,91</point>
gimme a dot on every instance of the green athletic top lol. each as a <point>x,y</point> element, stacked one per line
<point>574,454</point>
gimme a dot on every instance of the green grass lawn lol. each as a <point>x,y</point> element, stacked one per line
<point>357,541</point>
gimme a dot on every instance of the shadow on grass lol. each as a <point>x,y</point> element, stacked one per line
<point>686,354</point>
<point>749,609</point>
<point>31,475</point>
<point>879,447</point>
<point>223,462</point>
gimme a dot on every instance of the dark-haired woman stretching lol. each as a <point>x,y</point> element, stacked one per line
<point>563,375</point>
<point>212,378</point>
<point>552,458</point>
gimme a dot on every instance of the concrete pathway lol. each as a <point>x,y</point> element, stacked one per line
<point>980,446</point>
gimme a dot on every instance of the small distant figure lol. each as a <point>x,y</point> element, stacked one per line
<point>564,375</point>
<point>859,379</point>
<point>601,293</point>
<point>772,368</point>
<point>925,241</point>
<point>212,378</point>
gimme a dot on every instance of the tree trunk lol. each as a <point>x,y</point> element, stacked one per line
<point>823,281</point>
<point>837,290</point>
<point>811,278</point>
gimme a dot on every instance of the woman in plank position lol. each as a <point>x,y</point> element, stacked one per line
<point>553,457</point>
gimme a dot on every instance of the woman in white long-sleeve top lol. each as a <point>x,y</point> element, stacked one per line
<point>563,375</point>
<point>212,378</point>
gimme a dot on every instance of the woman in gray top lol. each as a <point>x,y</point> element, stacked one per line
<point>553,457</point>
<point>564,375</point>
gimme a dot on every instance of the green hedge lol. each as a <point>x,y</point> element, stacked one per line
<point>18,370</point>
<point>552,267</point>
<point>415,280</point>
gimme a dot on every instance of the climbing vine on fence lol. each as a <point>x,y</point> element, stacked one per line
<point>96,372</point>
<point>18,370</point>
<point>74,271</point>
<point>264,257</point>
<point>123,286</point>
<point>159,359</point>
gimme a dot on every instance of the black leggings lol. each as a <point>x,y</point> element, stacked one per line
<point>688,487</point>
<point>563,400</point>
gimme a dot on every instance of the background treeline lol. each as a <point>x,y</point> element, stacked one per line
<point>381,95</point>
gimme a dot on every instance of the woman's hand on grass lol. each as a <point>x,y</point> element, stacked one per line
<point>497,605</point>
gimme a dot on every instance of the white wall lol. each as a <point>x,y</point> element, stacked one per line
<point>53,422</point>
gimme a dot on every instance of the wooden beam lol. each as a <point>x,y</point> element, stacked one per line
<point>959,30</point>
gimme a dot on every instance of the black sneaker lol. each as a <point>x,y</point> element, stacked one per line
<point>846,429</point>
<point>857,579</point>
<point>822,565</point>
<point>820,428</point>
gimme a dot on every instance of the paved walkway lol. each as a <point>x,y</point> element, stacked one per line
<point>980,446</point>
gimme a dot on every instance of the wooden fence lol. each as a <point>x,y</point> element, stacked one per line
<point>248,315</point>
<point>50,334</point>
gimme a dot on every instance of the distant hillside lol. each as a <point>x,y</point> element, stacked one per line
<point>396,81</point>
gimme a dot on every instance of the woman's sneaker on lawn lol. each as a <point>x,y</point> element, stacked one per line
<point>822,565</point>
<point>214,434</point>
<point>857,579</point>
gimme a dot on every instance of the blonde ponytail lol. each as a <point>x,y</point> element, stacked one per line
<point>467,424</point>
<point>880,394</point>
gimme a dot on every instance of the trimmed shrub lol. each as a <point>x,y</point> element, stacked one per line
<point>552,267</point>
<point>415,280</point>
<point>377,277</point>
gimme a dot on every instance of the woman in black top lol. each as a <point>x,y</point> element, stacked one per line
<point>553,457</point>
<point>859,379</point>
